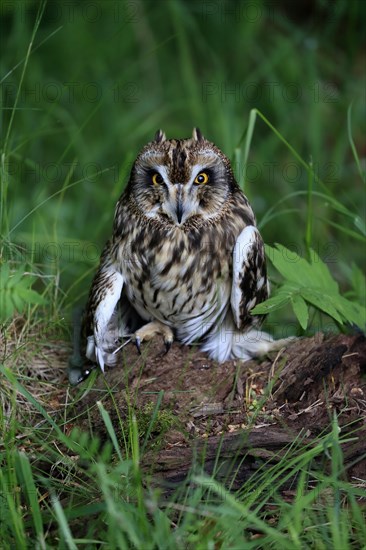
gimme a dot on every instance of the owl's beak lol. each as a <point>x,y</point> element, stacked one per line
<point>179,205</point>
<point>175,207</point>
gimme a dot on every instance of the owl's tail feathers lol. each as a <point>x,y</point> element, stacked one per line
<point>256,343</point>
<point>230,343</point>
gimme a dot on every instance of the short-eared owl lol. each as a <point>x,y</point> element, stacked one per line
<point>185,260</point>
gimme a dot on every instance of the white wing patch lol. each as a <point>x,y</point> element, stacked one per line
<point>249,284</point>
<point>104,312</point>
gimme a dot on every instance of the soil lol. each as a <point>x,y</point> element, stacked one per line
<point>232,417</point>
<point>249,411</point>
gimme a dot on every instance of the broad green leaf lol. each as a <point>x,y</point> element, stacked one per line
<point>30,295</point>
<point>6,306</point>
<point>352,312</point>
<point>16,277</point>
<point>312,282</point>
<point>16,292</point>
<point>18,302</point>
<point>358,280</point>
<point>321,274</point>
<point>300,309</point>
<point>322,301</point>
<point>4,275</point>
<point>272,304</point>
<point>290,265</point>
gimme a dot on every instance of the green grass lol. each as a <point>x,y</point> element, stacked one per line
<point>282,93</point>
<point>72,491</point>
<point>72,124</point>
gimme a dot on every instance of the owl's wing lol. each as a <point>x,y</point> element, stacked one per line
<point>249,282</point>
<point>104,295</point>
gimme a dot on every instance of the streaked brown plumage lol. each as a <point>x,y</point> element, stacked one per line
<point>185,258</point>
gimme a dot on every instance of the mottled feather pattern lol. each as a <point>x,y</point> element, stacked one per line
<point>173,244</point>
<point>251,278</point>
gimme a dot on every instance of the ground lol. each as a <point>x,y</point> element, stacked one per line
<point>252,408</point>
<point>250,411</point>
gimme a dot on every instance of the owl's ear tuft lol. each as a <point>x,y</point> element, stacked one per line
<point>159,136</point>
<point>197,135</point>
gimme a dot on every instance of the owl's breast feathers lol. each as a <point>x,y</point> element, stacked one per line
<point>181,276</point>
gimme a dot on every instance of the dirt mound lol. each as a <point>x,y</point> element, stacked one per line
<point>247,410</point>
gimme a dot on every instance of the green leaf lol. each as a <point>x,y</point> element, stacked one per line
<point>358,280</point>
<point>321,273</point>
<point>322,301</point>
<point>6,306</point>
<point>16,277</point>
<point>30,296</point>
<point>18,302</point>
<point>312,283</point>
<point>16,292</point>
<point>352,311</point>
<point>301,310</point>
<point>279,300</point>
<point>4,275</point>
<point>291,266</point>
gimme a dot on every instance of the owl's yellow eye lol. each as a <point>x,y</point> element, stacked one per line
<point>201,178</point>
<point>157,179</point>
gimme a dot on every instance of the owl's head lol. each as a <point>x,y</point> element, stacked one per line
<point>177,180</point>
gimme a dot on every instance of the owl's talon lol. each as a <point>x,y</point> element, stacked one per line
<point>138,344</point>
<point>100,358</point>
<point>168,345</point>
<point>149,331</point>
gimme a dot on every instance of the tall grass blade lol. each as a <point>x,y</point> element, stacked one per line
<point>32,496</point>
<point>63,524</point>
<point>353,146</point>
<point>110,429</point>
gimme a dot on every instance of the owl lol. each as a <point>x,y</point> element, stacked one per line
<point>185,262</point>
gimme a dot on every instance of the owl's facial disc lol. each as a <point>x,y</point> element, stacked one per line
<point>202,195</point>
<point>169,198</point>
<point>182,179</point>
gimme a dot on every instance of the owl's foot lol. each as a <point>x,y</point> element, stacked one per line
<point>148,331</point>
<point>106,353</point>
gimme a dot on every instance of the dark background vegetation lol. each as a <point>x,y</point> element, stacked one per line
<point>102,76</point>
<point>85,84</point>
